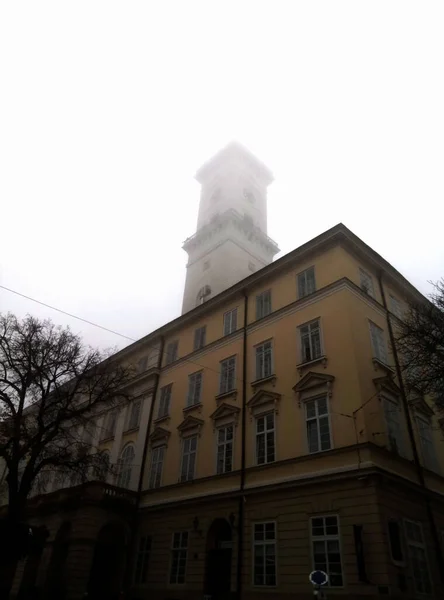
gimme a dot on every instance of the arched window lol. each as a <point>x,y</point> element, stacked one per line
<point>203,295</point>
<point>126,462</point>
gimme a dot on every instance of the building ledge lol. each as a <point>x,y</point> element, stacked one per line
<point>231,394</point>
<point>108,438</point>
<point>321,360</point>
<point>162,418</point>
<point>271,379</point>
<point>379,365</point>
<point>130,430</point>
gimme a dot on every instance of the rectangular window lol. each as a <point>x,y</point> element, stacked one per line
<point>366,282</point>
<point>427,446</point>
<point>395,540</point>
<point>157,456</point>
<point>418,557</point>
<point>142,560</point>
<point>179,557</point>
<point>199,337</point>
<point>194,388</point>
<point>306,282</point>
<point>110,422</point>
<point>263,304</point>
<point>310,341</point>
<point>172,352</point>
<point>134,417</point>
<point>189,450</point>
<point>326,548</point>
<point>227,375</point>
<point>378,343</point>
<point>230,321</point>
<point>264,360</point>
<point>393,421</point>
<point>395,307</point>
<point>264,556</point>
<point>225,449</point>
<point>265,439</point>
<point>142,364</point>
<point>318,425</point>
<point>165,400</point>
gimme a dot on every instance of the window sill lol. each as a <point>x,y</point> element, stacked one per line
<point>161,419</point>
<point>270,378</point>
<point>130,430</point>
<point>197,406</point>
<point>108,438</point>
<point>321,360</point>
<point>379,365</point>
<point>224,395</point>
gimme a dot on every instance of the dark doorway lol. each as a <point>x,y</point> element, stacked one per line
<point>105,579</point>
<point>218,560</point>
<point>56,578</point>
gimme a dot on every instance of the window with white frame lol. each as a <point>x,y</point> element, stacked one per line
<point>425,432</point>
<point>393,422</point>
<point>230,321</point>
<point>263,304</point>
<point>142,560</point>
<point>134,416</point>
<point>318,424</point>
<point>311,347</point>
<point>189,451</point>
<point>110,423</point>
<point>378,342</point>
<point>326,548</point>
<point>264,360</point>
<point>199,337</point>
<point>157,456</point>
<point>179,553</point>
<point>264,554</point>
<point>194,388</point>
<point>172,352</point>
<point>227,375</point>
<point>395,307</point>
<point>306,282</point>
<point>367,282</point>
<point>165,400</point>
<point>225,449</point>
<point>418,557</point>
<point>265,439</point>
<point>125,465</point>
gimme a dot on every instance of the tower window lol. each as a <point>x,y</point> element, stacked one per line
<point>203,295</point>
<point>248,194</point>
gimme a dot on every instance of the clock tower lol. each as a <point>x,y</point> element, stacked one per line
<point>231,238</point>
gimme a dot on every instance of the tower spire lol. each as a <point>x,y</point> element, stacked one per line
<point>231,238</point>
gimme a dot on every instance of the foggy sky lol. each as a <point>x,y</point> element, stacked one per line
<point>107,109</point>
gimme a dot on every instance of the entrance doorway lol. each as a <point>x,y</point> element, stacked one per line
<point>218,560</point>
<point>105,579</point>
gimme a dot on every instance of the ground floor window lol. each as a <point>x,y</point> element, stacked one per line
<point>264,565</point>
<point>326,548</point>
<point>179,557</point>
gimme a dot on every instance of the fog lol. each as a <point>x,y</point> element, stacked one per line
<point>107,110</point>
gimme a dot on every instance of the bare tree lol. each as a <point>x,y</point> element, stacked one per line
<point>52,387</point>
<point>420,341</point>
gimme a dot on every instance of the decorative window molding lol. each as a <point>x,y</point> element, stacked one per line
<point>314,384</point>
<point>125,466</point>
<point>227,377</point>
<point>310,342</point>
<point>263,401</point>
<point>159,437</point>
<point>230,321</point>
<point>224,415</point>
<point>190,426</point>
<point>326,547</point>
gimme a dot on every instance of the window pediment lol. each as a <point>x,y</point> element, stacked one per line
<point>159,436</point>
<point>314,384</point>
<point>225,414</point>
<point>386,385</point>
<point>190,426</point>
<point>421,406</point>
<point>263,401</point>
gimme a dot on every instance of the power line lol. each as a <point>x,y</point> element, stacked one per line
<point>67,313</point>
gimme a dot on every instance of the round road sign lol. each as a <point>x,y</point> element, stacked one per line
<point>318,578</point>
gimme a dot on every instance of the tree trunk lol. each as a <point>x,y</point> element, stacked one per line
<point>7,573</point>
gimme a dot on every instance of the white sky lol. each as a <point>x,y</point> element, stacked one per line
<point>107,109</point>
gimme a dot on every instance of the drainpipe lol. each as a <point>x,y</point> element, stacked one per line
<point>411,434</point>
<point>133,532</point>
<point>240,526</point>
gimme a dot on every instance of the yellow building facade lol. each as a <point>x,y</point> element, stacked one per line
<point>279,439</point>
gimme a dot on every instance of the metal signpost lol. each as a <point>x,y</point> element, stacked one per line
<point>318,579</point>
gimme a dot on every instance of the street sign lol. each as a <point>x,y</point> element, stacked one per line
<point>318,578</point>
